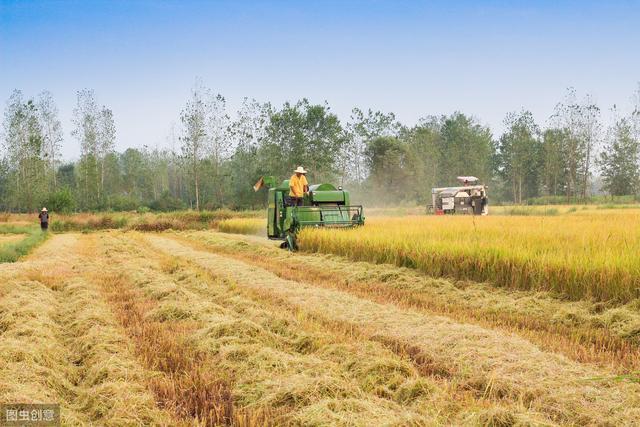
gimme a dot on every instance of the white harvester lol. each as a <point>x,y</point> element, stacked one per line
<point>470,198</point>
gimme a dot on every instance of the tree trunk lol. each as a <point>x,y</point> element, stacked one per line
<point>86,185</point>
<point>586,177</point>
<point>98,189</point>
<point>102,176</point>
<point>195,174</point>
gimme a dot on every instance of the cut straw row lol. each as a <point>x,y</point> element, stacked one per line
<point>500,365</point>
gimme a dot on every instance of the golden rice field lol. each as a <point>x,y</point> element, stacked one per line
<point>591,254</point>
<point>257,226</point>
<point>185,325</point>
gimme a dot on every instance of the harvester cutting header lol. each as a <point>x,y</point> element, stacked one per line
<point>293,205</point>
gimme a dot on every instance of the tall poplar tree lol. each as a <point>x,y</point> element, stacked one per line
<point>86,119</point>
<point>193,118</point>
<point>620,159</point>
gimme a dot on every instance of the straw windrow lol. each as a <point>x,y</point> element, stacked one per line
<point>491,363</point>
<point>585,331</point>
<point>61,345</point>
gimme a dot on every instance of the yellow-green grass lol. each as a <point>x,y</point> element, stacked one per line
<point>591,256</point>
<point>256,226</point>
<point>11,248</point>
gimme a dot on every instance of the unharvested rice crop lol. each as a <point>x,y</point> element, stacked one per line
<point>256,226</point>
<point>590,256</point>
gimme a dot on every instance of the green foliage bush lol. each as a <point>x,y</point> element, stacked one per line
<point>166,203</point>
<point>526,211</point>
<point>598,200</point>
<point>97,222</point>
<point>121,203</point>
<point>61,201</point>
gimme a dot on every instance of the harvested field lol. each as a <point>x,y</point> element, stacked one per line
<point>206,328</point>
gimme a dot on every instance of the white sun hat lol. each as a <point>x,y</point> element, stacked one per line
<point>300,170</point>
<point>44,209</point>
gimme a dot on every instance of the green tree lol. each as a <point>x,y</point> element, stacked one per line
<point>423,157</point>
<point>4,184</point>
<point>635,113</point>
<point>86,119</point>
<point>105,143</point>
<point>303,134</point>
<point>60,201</point>
<point>386,159</point>
<point>361,129</point>
<point>620,160</point>
<point>248,132</point>
<point>52,135</point>
<point>24,143</point>
<point>467,149</point>
<point>193,138</point>
<point>134,175</point>
<point>519,151</point>
<point>553,162</point>
<point>66,176</point>
<point>581,120</point>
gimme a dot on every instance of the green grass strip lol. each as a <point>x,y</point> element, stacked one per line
<point>11,252</point>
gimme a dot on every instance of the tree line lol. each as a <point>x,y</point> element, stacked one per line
<point>214,156</point>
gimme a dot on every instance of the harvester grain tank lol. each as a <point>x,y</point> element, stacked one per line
<point>324,206</point>
<point>470,198</point>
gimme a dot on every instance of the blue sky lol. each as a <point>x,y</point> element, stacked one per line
<point>414,58</point>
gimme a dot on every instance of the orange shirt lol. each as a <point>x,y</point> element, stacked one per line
<point>296,185</point>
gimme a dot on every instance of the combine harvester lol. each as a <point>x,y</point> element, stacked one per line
<point>468,199</point>
<point>324,206</point>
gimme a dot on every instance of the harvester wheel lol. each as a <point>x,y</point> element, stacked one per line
<point>291,242</point>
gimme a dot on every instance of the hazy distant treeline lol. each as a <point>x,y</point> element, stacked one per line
<point>217,155</point>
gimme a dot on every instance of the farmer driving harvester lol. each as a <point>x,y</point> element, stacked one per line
<point>294,204</point>
<point>298,186</point>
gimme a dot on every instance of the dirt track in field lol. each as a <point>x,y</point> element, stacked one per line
<point>128,328</point>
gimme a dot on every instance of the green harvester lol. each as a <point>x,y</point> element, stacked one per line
<point>324,206</point>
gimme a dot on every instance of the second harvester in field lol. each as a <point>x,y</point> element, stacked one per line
<point>323,205</point>
<point>470,199</point>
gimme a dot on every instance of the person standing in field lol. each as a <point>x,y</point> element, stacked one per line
<point>44,219</point>
<point>298,186</point>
